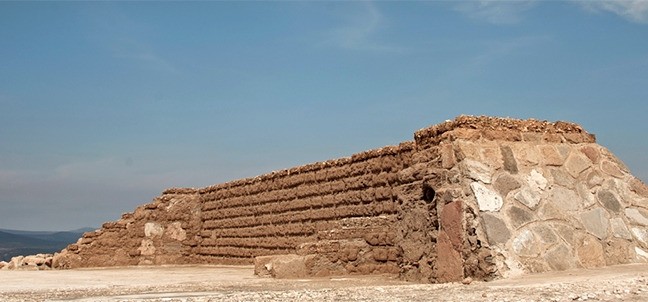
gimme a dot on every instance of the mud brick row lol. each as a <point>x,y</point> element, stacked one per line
<point>375,236</point>
<point>217,200</point>
<point>304,229</point>
<point>345,198</point>
<point>241,252</point>
<point>358,210</point>
<point>313,173</point>
<point>283,242</point>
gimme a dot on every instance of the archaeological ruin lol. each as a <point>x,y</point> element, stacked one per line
<point>477,197</point>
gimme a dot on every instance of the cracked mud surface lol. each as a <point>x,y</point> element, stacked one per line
<point>237,283</point>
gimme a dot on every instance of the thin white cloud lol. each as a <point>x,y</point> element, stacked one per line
<point>495,11</point>
<point>493,52</point>
<point>125,37</point>
<point>126,48</point>
<point>632,10</point>
<point>360,32</point>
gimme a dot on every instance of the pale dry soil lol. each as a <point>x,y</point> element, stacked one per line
<point>237,283</point>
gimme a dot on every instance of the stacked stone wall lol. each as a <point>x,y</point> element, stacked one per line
<point>343,211</point>
<point>552,204</point>
<point>475,197</point>
<point>165,231</point>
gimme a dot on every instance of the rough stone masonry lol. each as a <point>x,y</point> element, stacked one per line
<point>477,197</point>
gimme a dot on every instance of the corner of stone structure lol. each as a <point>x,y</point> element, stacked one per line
<point>536,196</point>
<point>457,245</point>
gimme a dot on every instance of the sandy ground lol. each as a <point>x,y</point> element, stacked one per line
<point>235,283</point>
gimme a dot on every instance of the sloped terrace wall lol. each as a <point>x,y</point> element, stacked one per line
<point>164,231</point>
<point>342,210</point>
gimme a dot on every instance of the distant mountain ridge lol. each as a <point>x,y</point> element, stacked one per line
<point>16,242</point>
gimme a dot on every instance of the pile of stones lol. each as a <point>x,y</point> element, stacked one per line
<point>32,262</point>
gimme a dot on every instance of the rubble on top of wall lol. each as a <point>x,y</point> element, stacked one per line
<point>478,127</point>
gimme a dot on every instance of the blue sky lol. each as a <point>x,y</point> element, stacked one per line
<point>103,105</point>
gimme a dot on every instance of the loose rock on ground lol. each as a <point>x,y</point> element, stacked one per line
<point>231,283</point>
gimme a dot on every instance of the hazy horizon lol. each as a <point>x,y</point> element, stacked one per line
<point>77,230</point>
<point>106,104</point>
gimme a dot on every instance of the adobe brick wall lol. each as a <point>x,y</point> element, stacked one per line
<point>475,197</point>
<point>165,231</point>
<point>333,209</point>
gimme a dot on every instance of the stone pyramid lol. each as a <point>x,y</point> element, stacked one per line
<point>477,197</point>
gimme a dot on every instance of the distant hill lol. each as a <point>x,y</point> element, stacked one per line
<point>15,242</point>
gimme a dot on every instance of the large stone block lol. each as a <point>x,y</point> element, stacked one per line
<point>551,156</point>
<point>545,234</point>
<point>477,171</point>
<point>492,156</point>
<point>592,153</point>
<point>609,201</point>
<point>153,229</point>
<point>565,199</point>
<point>619,228</point>
<point>641,254</point>
<point>590,252</point>
<point>638,187</point>
<point>506,183</point>
<point>468,150</point>
<point>531,194</point>
<point>448,158</point>
<point>519,216</point>
<point>566,232</point>
<point>281,266</point>
<point>449,260</point>
<point>451,222</point>
<point>594,178</point>
<point>147,248</point>
<point>549,211</point>
<point>176,232</point>
<point>487,200</point>
<point>527,197</point>
<point>618,251</point>
<point>526,244</point>
<point>496,229</point>
<point>611,169</point>
<point>637,216</point>
<point>562,178</point>
<point>536,180</point>
<point>586,195</point>
<point>641,234</point>
<point>596,222</point>
<point>576,164</point>
<point>531,136</point>
<point>527,154</point>
<point>560,258</point>
<point>510,163</point>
